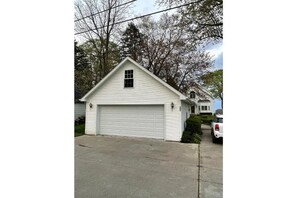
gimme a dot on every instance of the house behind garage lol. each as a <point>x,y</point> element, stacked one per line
<point>131,101</point>
<point>203,100</point>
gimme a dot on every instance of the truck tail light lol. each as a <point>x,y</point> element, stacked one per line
<point>217,127</point>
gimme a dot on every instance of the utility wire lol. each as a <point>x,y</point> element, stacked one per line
<point>104,11</point>
<point>152,13</point>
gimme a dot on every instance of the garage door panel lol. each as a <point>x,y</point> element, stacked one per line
<point>136,121</point>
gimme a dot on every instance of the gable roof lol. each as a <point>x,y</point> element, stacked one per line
<point>206,92</point>
<point>108,76</point>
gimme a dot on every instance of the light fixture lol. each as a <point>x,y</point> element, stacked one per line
<point>90,105</point>
<point>172,105</point>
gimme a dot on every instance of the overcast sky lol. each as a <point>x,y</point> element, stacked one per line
<point>144,7</point>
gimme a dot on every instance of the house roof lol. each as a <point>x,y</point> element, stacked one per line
<point>108,76</point>
<point>204,100</point>
<point>200,88</point>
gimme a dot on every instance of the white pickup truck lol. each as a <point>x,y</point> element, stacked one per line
<point>217,128</point>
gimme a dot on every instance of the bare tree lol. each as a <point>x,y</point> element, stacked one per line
<point>204,18</point>
<point>171,54</point>
<point>95,21</point>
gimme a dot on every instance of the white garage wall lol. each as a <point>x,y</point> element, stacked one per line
<point>146,90</point>
<point>186,111</point>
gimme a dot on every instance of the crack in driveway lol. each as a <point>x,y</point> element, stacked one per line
<point>84,145</point>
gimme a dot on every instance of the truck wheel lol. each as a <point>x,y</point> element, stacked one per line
<point>214,140</point>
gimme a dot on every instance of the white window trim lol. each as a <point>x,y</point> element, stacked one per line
<point>129,78</point>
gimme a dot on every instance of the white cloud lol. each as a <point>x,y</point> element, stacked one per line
<point>215,50</point>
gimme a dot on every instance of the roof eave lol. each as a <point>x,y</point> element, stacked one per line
<point>189,101</point>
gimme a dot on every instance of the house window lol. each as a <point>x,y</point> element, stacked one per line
<point>208,107</point>
<point>129,81</point>
<point>204,107</point>
<point>192,109</point>
<point>192,94</point>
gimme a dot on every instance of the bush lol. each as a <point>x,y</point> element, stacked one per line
<point>206,119</point>
<point>194,125</point>
<point>196,138</point>
<point>189,137</point>
<point>79,130</point>
<point>193,130</point>
<point>80,120</point>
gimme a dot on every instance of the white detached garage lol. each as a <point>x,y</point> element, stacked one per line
<point>131,101</point>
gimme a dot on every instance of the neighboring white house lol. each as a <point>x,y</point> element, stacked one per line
<point>79,110</point>
<point>131,101</point>
<point>202,98</point>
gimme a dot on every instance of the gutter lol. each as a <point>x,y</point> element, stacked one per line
<point>187,100</point>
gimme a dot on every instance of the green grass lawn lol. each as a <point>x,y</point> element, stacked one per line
<point>79,130</point>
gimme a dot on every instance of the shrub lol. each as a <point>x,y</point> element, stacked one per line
<point>193,130</point>
<point>79,130</point>
<point>196,138</point>
<point>194,125</point>
<point>189,137</point>
<point>206,119</point>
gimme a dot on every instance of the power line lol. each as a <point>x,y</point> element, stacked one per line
<point>157,12</point>
<point>103,11</point>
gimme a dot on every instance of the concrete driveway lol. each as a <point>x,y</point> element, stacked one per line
<point>109,166</point>
<point>210,166</point>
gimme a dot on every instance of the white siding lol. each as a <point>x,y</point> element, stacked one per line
<point>91,116</point>
<point>79,110</point>
<point>210,104</point>
<point>186,111</point>
<point>146,90</point>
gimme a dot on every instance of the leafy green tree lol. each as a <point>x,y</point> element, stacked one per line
<point>82,72</point>
<point>99,67</point>
<point>131,44</point>
<point>214,82</point>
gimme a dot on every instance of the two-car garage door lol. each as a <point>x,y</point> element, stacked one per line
<point>132,120</point>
